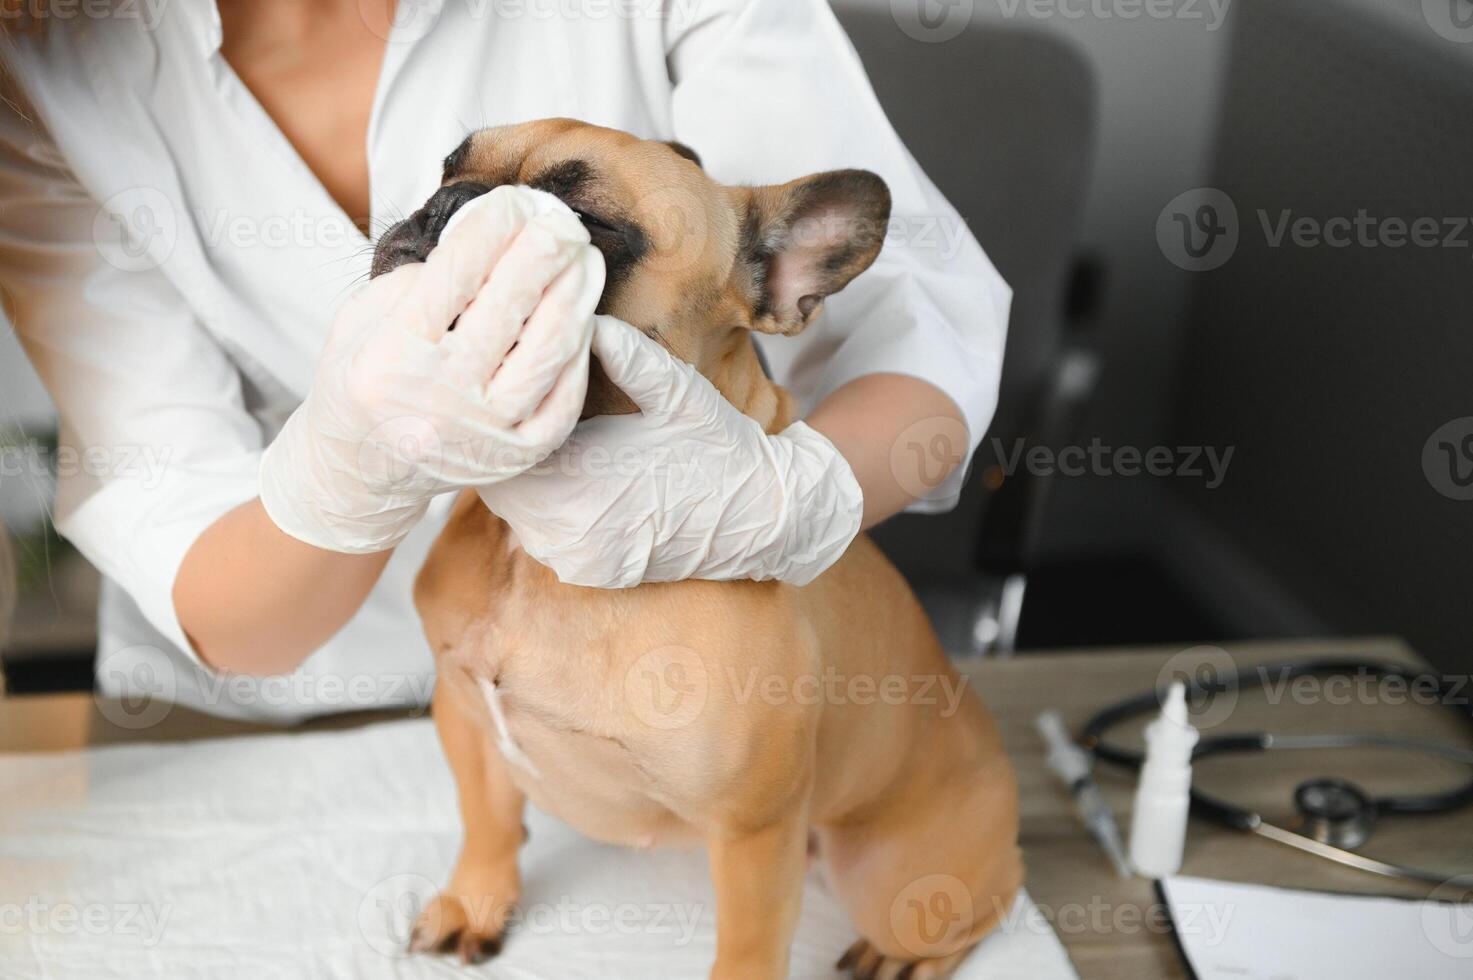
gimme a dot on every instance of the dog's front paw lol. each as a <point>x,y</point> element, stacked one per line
<point>472,927</point>
<point>864,961</point>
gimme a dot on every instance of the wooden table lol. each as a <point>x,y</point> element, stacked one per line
<point>1111,927</point>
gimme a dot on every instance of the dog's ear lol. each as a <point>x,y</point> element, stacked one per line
<point>805,240</point>
<point>685,151</point>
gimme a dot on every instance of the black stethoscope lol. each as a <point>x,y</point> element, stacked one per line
<point>1335,816</point>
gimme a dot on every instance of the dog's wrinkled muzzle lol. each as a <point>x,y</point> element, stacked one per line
<point>412,239</point>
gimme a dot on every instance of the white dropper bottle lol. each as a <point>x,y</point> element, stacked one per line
<point>1158,827</point>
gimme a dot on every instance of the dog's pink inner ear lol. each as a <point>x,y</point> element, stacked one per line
<point>815,235</point>
<point>796,277</point>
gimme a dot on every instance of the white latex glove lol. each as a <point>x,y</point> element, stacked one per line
<point>687,488</point>
<point>403,408</point>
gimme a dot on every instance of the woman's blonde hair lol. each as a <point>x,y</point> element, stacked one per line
<point>7,596</point>
<point>16,17</point>
<point>7,584</point>
<point>19,17</point>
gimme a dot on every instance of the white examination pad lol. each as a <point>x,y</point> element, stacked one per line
<point>1232,931</point>
<point>307,855</point>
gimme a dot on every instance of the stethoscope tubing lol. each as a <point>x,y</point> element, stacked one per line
<point>1349,858</point>
<point>1237,817</point>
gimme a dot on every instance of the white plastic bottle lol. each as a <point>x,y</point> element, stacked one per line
<point>1158,826</point>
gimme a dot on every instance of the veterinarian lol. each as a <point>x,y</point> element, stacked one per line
<point>187,197</point>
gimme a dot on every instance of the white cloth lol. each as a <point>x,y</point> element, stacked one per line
<point>404,409</point>
<point>307,856</point>
<point>192,336</point>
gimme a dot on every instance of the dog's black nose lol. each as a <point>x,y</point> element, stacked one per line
<point>412,239</point>
<point>445,202</point>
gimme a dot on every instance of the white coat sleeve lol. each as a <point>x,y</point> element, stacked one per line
<point>770,90</point>
<point>156,443</point>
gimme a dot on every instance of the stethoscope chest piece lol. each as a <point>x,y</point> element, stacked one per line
<point>1335,812</point>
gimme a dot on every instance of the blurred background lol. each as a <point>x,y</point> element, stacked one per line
<point>1236,400</point>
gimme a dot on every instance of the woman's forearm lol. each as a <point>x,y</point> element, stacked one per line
<point>868,417</point>
<point>255,600</point>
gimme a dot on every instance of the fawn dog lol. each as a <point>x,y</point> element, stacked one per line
<point>910,802</point>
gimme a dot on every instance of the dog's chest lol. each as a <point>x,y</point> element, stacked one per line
<point>619,699</point>
<point>599,784</point>
<point>594,771</point>
<point>600,713</point>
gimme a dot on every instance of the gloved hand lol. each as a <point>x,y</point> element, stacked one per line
<point>403,408</point>
<point>687,488</point>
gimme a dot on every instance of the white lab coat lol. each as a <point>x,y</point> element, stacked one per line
<point>171,264</point>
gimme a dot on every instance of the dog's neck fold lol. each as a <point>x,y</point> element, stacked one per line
<point>733,367</point>
<point>738,375</point>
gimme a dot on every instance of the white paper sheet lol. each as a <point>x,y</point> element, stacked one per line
<point>1234,931</point>
<point>307,856</point>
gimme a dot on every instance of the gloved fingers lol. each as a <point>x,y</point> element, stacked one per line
<point>366,306</point>
<point>559,329</point>
<point>550,423</point>
<point>645,371</point>
<point>466,255</point>
<point>493,321</point>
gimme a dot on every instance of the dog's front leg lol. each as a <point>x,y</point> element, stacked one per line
<point>469,917</point>
<point>759,889</point>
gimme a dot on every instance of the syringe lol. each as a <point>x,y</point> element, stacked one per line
<point>1071,764</point>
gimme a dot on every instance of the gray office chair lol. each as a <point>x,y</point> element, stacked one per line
<point>1357,354</point>
<point>1003,120</point>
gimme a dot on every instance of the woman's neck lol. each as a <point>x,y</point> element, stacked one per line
<point>313,65</point>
